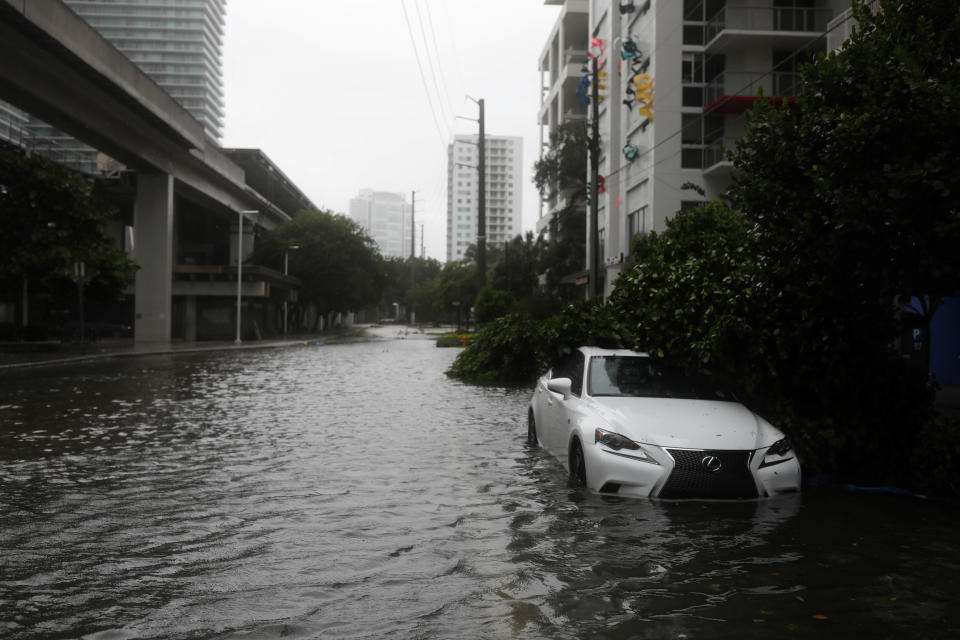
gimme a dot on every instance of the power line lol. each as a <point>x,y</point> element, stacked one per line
<point>423,78</point>
<point>445,101</point>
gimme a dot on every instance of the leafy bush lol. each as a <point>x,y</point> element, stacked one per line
<point>503,352</point>
<point>453,339</point>
<point>514,349</point>
<point>936,460</point>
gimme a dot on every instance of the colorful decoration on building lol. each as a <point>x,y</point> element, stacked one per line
<point>643,91</point>
<point>597,47</point>
<point>630,152</point>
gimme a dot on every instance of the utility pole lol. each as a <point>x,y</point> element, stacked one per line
<point>594,286</point>
<point>482,205</point>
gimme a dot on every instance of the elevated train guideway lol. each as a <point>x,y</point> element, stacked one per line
<point>56,67</point>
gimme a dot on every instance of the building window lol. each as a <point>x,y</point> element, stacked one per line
<point>692,76</point>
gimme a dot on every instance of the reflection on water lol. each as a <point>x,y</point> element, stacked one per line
<point>352,491</point>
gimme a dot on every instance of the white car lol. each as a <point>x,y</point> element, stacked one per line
<point>622,425</point>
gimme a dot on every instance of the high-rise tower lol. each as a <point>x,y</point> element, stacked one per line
<point>178,43</point>
<point>504,200</point>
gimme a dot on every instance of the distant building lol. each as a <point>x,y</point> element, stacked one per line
<point>178,43</point>
<point>504,200</point>
<point>386,218</point>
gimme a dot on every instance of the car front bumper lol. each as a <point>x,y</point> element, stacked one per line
<point>686,473</point>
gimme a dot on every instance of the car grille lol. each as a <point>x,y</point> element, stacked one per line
<point>692,479</point>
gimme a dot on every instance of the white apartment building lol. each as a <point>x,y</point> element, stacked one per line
<point>386,217</point>
<point>504,199</point>
<point>560,75</point>
<point>707,62</point>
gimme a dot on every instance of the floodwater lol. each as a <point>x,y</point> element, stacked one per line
<point>353,491</point>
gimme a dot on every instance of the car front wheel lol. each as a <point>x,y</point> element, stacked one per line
<point>578,467</point>
<point>531,430</point>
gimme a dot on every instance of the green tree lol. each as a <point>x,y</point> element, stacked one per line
<point>456,283</point>
<point>338,264</point>
<point>562,174</point>
<point>852,196</point>
<point>404,284</point>
<point>689,294</point>
<point>51,219</point>
<point>492,304</point>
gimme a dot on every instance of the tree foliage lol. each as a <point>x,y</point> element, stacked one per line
<point>562,174</point>
<point>338,264</point>
<point>51,219</point>
<point>690,292</point>
<point>407,284</point>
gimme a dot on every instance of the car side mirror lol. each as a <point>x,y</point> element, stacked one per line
<point>561,386</point>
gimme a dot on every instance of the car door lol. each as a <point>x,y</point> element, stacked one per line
<point>558,409</point>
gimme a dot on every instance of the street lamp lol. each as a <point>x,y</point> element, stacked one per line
<point>286,264</point>
<point>240,265</point>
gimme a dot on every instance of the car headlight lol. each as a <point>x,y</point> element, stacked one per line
<point>780,448</point>
<point>618,442</point>
<point>778,452</point>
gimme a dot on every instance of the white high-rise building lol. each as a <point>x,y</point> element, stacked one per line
<point>386,217</point>
<point>679,76</point>
<point>504,194</point>
<point>178,43</point>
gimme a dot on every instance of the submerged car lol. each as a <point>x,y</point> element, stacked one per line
<point>622,424</point>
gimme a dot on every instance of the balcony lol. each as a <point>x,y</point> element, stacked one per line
<point>733,92</point>
<point>788,28</point>
<point>715,162</point>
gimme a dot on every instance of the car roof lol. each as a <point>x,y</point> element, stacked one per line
<point>589,352</point>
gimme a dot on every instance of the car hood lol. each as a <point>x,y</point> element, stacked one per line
<point>694,424</point>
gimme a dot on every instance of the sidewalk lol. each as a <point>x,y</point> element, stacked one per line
<point>52,353</point>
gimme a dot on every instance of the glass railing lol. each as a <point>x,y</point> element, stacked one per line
<point>805,19</point>
<point>749,83</point>
<point>715,152</point>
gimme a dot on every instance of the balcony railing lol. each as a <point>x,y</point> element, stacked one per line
<point>715,152</point>
<point>805,19</point>
<point>781,84</point>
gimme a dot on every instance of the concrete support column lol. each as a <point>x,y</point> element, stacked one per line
<point>153,251</point>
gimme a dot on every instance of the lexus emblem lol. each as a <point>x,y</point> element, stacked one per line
<point>712,464</point>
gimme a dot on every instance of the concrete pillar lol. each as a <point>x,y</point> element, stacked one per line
<point>153,251</point>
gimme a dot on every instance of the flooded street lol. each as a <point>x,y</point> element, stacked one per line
<point>353,491</point>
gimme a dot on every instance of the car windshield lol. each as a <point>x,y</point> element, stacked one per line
<point>638,376</point>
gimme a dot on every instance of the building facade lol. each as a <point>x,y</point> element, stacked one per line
<point>386,217</point>
<point>678,77</point>
<point>504,199</point>
<point>177,43</point>
<point>560,76</point>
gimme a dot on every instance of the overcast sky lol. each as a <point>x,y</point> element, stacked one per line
<point>331,91</point>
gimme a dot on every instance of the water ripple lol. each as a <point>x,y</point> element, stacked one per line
<point>353,491</point>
